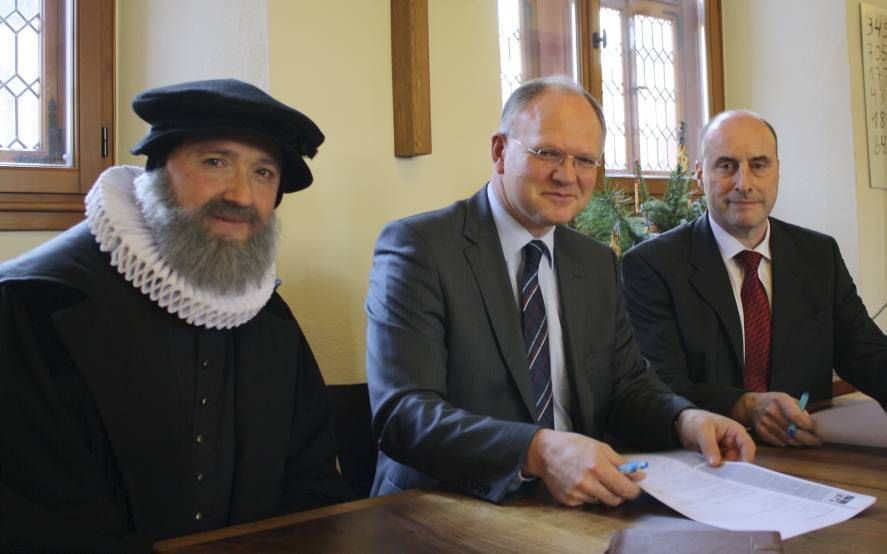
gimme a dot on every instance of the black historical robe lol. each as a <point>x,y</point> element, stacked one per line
<point>121,424</point>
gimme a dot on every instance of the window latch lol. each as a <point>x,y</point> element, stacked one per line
<point>599,40</point>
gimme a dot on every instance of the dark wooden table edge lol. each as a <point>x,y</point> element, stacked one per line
<point>299,517</point>
<point>279,521</point>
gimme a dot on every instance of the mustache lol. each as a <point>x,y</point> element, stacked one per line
<point>230,211</point>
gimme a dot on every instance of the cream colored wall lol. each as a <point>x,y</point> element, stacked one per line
<point>871,204</point>
<point>160,42</point>
<point>332,60</point>
<point>14,243</point>
<point>789,61</point>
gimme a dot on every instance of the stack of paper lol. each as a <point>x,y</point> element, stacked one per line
<point>853,419</point>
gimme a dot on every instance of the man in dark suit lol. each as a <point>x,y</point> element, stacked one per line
<point>498,347</point>
<point>748,342</point>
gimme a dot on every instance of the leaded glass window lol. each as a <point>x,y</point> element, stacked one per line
<point>35,82</point>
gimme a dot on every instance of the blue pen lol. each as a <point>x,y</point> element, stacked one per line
<point>631,467</point>
<point>792,428</point>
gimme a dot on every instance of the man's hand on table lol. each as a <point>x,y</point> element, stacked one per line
<point>577,469</point>
<point>718,438</point>
<point>770,413</point>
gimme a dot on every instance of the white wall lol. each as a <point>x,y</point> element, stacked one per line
<point>795,63</point>
<point>161,42</point>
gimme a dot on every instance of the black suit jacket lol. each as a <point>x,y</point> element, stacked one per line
<point>446,364</point>
<point>687,324</point>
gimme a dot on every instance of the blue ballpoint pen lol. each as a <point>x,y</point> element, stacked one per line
<point>631,467</point>
<point>792,428</point>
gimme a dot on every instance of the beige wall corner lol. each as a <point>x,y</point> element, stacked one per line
<point>332,60</point>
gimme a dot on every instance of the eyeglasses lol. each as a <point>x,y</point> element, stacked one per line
<point>554,157</point>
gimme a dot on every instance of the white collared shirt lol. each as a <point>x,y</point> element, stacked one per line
<point>729,246</point>
<point>513,237</point>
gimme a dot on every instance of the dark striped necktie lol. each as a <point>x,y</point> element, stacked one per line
<point>756,316</point>
<point>536,332</point>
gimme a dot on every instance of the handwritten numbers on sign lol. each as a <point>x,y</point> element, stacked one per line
<point>873,31</point>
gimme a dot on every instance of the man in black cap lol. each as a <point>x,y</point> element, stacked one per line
<point>152,382</point>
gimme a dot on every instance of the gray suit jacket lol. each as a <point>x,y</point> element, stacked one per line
<point>448,376</point>
<point>687,324</point>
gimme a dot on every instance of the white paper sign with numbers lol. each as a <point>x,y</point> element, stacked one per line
<point>873,30</point>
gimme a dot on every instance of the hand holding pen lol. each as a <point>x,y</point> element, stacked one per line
<point>792,428</point>
<point>770,415</point>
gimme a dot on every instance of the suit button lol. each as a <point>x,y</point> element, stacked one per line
<point>198,516</point>
<point>200,477</point>
<point>199,439</point>
<point>203,401</point>
<point>204,364</point>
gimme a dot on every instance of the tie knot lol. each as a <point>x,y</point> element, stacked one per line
<point>533,253</point>
<point>749,260</point>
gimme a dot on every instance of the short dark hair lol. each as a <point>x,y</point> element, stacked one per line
<point>717,118</point>
<point>524,94</point>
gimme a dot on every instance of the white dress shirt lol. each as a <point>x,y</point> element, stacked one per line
<point>513,237</point>
<point>729,246</point>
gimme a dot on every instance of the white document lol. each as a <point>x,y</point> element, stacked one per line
<point>853,419</point>
<point>745,497</point>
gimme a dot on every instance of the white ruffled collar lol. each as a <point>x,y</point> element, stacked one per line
<point>115,219</point>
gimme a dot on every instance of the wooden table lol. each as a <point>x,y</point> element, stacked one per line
<point>436,521</point>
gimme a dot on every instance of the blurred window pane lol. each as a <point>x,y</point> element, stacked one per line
<point>35,82</point>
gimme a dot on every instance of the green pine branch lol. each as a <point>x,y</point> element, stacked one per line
<point>609,216</point>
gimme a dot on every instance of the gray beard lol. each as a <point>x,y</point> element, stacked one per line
<point>206,261</point>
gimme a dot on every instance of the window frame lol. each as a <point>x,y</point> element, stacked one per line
<point>52,198</point>
<point>591,74</point>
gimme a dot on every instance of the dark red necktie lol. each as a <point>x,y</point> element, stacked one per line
<point>756,313</point>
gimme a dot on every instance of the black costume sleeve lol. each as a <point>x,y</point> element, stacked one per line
<point>59,488</point>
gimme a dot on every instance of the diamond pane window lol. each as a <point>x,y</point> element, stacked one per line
<point>656,43</point>
<point>654,56</point>
<point>35,82</point>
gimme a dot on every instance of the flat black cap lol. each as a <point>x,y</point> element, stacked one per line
<point>227,107</point>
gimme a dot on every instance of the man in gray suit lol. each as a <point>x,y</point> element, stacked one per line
<point>498,347</point>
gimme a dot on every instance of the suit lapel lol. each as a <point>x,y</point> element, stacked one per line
<point>789,286</point>
<point>712,283</point>
<point>573,319</point>
<point>487,263</point>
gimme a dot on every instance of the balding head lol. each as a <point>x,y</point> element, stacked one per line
<point>739,172</point>
<point>728,115</point>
